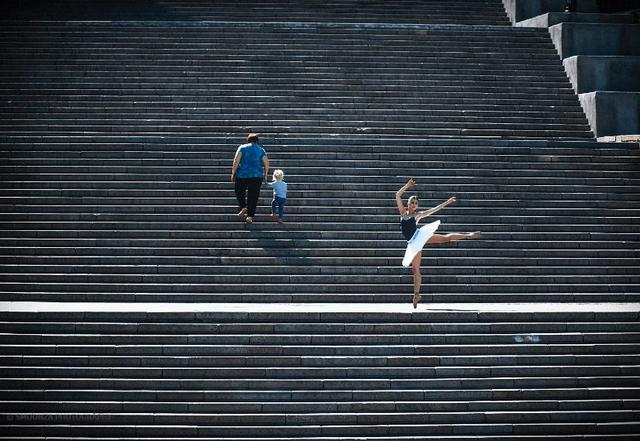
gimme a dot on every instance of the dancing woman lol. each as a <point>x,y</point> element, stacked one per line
<point>418,237</point>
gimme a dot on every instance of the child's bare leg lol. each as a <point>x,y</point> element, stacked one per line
<point>417,278</point>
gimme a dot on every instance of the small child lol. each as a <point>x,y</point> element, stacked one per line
<point>279,195</point>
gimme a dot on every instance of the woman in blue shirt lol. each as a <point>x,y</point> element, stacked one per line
<point>250,168</point>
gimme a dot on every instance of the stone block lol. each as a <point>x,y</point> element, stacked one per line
<point>554,18</point>
<point>590,73</point>
<point>612,113</point>
<point>519,10</point>
<point>595,39</point>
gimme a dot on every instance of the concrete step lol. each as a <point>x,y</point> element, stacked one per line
<point>151,259</point>
<point>51,199</point>
<point>329,372</point>
<point>162,279</point>
<point>577,293</point>
<point>224,353</point>
<point>332,432</point>
<point>491,288</point>
<point>295,207</point>
<point>209,221</point>
<point>486,152</point>
<point>345,179</point>
<point>301,408</point>
<point>28,200</point>
<point>364,258</point>
<point>348,144</point>
<point>242,346</point>
<point>517,330</point>
<point>354,187</point>
<point>311,384</point>
<point>425,161</point>
<point>334,397</point>
<point>359,419</point>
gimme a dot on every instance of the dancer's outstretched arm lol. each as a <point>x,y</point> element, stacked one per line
<point>401,208</point>
<point>430,211</point>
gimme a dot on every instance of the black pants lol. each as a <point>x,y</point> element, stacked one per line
<point>249,201</point>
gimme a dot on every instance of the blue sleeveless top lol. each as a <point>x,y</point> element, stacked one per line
<point>251,162</point>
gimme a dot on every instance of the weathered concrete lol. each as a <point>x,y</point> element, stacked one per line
<point>589,73</point>
<point>635,139</point>
<point>554,18</point>
<point>612,113</point>
<point>519,10</point>
<point>595,39</point>
<point>316,307</point>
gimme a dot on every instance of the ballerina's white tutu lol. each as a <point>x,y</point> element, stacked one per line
<point>416,243</point>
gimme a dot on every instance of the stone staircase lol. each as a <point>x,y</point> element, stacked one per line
<point>469,12</point>
<point>559,223</point>
<point>117,140</point>
<point>117,130</point>
<point>324,375</point>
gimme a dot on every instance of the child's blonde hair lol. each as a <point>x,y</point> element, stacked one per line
<point>278,175</point>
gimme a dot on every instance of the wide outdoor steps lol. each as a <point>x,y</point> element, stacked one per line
<point>312,371</point>
<point>117,141</point>
<point>464,12</point>
<point>108,219</point>
<point>299,79</point>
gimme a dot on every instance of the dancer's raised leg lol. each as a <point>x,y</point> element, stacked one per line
<point>452,237</point>
<point>417,279</point>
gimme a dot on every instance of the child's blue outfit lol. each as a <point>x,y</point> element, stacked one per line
<point>279,197</point>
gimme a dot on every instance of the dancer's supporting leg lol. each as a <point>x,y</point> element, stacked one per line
<point>417,279</point>
<point>452,237</point>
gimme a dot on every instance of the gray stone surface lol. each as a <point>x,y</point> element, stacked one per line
<point>116,147</point>
<point>595,39</point>
<point>612,113</point>
<point>589,73</point>
<point>291,371</point>
<point>519,10</point>
<point>398,308</point>
<point>554,18</point>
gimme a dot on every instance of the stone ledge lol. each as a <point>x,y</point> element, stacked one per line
<point>554,18</point>
<point>519,10</point>
<point>106,307</point>
<point>595,39</point>
<point>620,138</point>
<point>298,25</point>
<point>589,73</point>
<point>612,113</point>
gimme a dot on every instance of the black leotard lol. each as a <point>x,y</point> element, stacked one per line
<point>408,225</point>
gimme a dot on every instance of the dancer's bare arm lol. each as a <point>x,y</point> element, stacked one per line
<point>430,211</point>
<point>401,208</point>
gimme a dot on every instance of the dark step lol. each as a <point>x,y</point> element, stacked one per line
<point>295,407</point>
